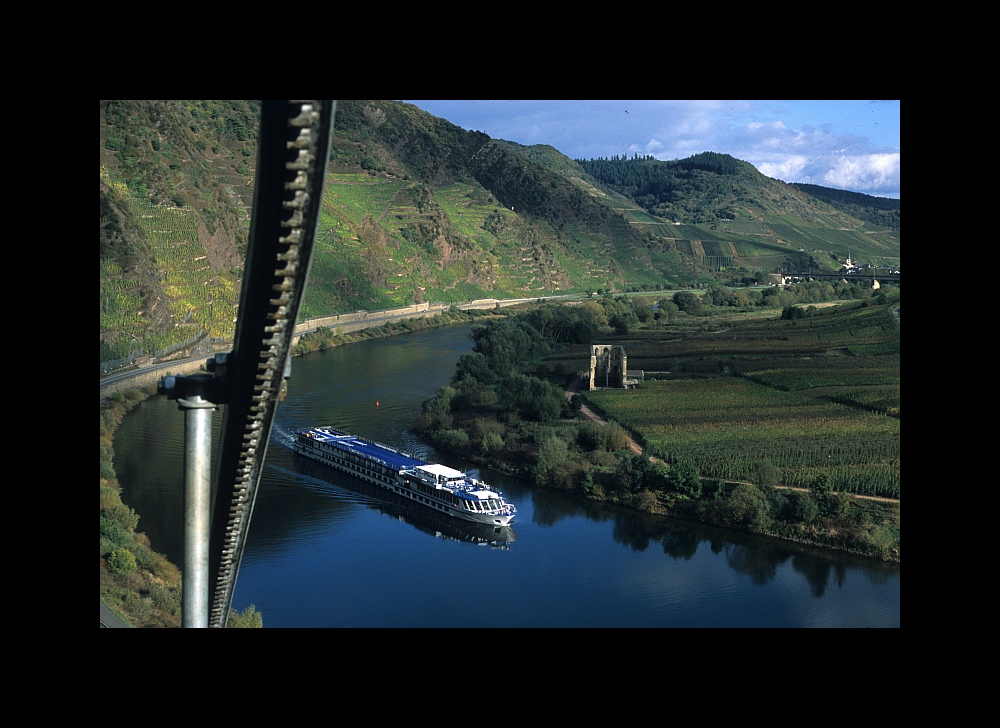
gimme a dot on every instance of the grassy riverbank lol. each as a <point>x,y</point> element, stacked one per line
<point>140,585</point>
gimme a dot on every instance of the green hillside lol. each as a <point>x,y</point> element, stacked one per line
<point>418,209</point>
<point>717,199</point>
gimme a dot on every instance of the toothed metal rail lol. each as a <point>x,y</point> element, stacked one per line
<point>293,150</point>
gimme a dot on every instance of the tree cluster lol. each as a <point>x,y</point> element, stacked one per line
<point>699,189</point>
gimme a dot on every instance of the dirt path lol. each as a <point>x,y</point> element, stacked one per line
<point>572,389</point>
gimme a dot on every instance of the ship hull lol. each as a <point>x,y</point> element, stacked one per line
<point>396,472</point>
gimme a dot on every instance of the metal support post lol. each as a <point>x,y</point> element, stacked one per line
<point>197,508</point>
<point>197,396</point>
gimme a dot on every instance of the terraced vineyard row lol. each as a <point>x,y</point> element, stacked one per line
<point>816,396</point>
<point>121,302</point>
<point>725,427</point>
<point>198,299</point>
<point>415,246</point>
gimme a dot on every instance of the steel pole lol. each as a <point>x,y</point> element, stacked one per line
<point>197,508</point>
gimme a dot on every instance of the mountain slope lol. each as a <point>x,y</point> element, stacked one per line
<point>879,211</point>
<point>418,209</point>
<point>737,207</point>
<point>176,192</point>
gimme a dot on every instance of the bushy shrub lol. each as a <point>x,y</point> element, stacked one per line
<point>114,532</point>
<point>107,546</point>
<point>492,442</point>
<point>161,568</point>
<point>124,515</point>
<point>646,501</point>
<point>453,439</point>
<point>121,561</point>
<point>748,507</point>
<point>806,509</point>
<point>590,436</point>
<point>552,454</point>
<point>162,597</point>
<point>603,459</point>
<point>684,479</point>
<point>110,497</point>
<point>713,489</point>
<point>766,474</point>
<point>615,437</point>
<point>249,618</point>
<point>143,556</point>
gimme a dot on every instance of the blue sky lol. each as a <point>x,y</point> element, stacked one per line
<point>847,144</point>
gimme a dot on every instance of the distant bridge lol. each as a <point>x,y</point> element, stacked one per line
<point>879,275</point>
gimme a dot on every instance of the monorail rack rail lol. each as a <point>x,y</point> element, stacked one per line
<point>293,150</point>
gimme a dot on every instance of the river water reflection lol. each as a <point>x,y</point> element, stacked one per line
<point>324,550</point>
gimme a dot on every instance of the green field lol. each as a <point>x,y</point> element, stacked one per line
<point>815,396</point>
<point>726,426</point>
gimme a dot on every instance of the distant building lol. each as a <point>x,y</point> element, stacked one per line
<point>607,366</point>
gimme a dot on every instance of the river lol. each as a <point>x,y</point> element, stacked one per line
<point>324,550</point>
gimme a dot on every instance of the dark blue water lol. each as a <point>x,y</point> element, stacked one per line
<point>324,550</point>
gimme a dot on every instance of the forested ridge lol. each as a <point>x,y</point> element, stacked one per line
<point>709,186</point>
<point>695,190</point>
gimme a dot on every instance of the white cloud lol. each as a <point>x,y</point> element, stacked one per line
<point>815,156</point>
<point>876,172</point>
<point>791,168</point>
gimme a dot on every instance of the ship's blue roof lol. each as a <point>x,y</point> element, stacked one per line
<point>350,443</point>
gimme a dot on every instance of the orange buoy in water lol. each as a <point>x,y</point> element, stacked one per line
<point>376,403</point>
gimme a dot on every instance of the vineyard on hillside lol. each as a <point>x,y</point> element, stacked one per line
<point>815,396</point>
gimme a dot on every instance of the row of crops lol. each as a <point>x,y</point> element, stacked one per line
<point>749,239</point>
<point>726,427</point>
<point>509,258</point>
<point>467,216</point>
<point>799,374</point>
<point>121,303</point>
<point>198,299</point>
<point>818,396</point>
<point>357,195</point>
<point>507,263</point>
